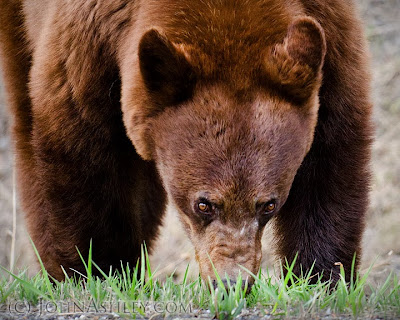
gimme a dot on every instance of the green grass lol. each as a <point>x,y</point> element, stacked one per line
<point>134,292</point>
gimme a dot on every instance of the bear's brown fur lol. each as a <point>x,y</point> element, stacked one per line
<point>237,111</point>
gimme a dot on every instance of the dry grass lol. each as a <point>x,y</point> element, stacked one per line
<point>382,236</point>
<point>14,246</point>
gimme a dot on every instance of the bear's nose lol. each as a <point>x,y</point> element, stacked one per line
<point>232,283</point>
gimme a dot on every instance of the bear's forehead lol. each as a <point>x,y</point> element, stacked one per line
<point>222,39</point>
<point>219,26</point>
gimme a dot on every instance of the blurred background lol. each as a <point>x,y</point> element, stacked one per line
<point>382,237</point>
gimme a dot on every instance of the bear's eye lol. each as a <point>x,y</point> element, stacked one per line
<point>203,206</point>
<point>270,207</point>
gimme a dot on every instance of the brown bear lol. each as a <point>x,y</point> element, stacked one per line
<point>238,112</point>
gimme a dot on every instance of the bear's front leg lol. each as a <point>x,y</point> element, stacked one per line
<point>323,218</point>
<point>90,184</point>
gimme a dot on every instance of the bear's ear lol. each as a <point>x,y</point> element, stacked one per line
<point>166,73</point>
<point>295,65</point>
<point>305,42</point>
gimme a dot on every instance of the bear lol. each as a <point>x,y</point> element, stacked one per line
<point>238,113</point>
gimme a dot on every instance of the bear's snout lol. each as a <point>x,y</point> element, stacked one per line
<point>229,252</point>
<point>246,284</point>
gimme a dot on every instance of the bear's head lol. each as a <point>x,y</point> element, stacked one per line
<point>227,150</point>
